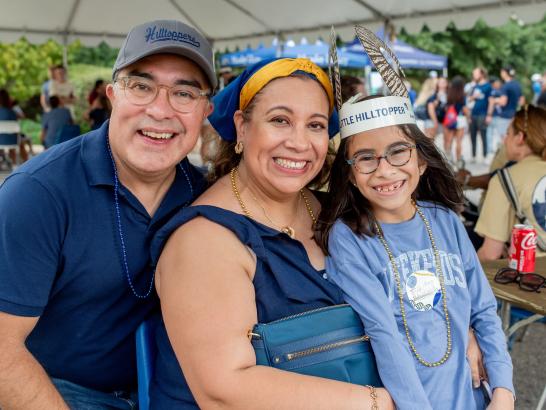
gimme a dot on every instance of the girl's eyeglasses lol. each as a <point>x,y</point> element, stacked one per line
<point>367,162</point>
<point>531,282</point>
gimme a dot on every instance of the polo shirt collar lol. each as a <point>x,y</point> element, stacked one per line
<point>184,189</point>
<point>96,158</point>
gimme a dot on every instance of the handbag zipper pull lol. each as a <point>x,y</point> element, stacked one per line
<point>250,334</point>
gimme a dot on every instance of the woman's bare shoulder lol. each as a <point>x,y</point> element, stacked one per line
<point>201,246</point>
<point>205,240</point>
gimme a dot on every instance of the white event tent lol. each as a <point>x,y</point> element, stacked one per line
<point>242,23</point>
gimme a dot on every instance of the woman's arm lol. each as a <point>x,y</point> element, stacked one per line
<point>208,304</point>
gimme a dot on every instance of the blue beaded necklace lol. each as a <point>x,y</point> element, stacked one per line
<point>120,230</point>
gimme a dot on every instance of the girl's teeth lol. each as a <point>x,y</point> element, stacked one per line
<point>290,164</point>
<point>157,135</point>
<point>389,188</point>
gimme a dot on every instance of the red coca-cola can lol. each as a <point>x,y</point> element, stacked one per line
<point>523,248</point>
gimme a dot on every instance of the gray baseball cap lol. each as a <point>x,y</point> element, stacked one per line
<point>167,36</point>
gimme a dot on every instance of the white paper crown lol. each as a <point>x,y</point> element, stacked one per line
<point>378,112</point>
<point>374,113</point>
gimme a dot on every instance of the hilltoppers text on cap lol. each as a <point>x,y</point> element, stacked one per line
<point>167,36</point>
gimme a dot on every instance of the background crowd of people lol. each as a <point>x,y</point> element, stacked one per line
<point>483,106</point>
<point>58,116</point>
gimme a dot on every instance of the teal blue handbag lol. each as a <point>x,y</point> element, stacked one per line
<point>328,342</point>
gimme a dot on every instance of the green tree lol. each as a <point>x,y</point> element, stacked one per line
<point>490,47</point>
<point>23,66</point>
<point>102,55</point>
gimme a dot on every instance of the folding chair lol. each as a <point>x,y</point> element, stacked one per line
<point>146,353</point>
<point>6,142</point>
<point>517,315</point>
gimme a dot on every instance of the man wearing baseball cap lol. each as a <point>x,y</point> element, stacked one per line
<point>76,223</point>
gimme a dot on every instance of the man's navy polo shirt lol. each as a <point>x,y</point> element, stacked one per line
<point>61,259</point>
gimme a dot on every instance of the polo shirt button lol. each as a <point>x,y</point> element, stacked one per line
<point>325,276</point>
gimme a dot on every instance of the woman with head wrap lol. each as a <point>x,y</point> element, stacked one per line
<point>244,252</point>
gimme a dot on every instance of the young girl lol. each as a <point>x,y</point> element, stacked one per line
<point>405,263</point>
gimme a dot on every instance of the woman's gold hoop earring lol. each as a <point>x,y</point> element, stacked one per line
<point>239,147</point>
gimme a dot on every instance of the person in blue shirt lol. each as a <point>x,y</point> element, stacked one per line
<point>53,122</point>
<point>404,262</point>
<point>508,101</point>
<point>495,124</point>
<point>76,223</point>
<point>480,97</point>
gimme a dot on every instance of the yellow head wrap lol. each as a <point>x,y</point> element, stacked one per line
<point>283,68</point>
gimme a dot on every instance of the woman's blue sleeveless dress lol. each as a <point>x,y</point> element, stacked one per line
<point>285,283</point>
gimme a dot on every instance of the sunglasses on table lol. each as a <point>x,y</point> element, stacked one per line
<point>531,282</point>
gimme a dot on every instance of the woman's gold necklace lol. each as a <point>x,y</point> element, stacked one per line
<point>401,295</point>
<point>288,230</point>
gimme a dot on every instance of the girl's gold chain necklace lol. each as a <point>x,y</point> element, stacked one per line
<point>290,231</point>
<point>437,262</point>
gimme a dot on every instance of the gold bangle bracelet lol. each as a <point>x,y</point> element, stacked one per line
<point>373,395</point>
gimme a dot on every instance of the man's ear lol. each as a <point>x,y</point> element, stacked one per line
<point>210,109</point>
<point>110,92</point>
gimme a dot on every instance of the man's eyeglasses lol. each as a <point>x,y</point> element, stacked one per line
<point>143,91</point>
<point>397,156</point>
<point>531,282</point>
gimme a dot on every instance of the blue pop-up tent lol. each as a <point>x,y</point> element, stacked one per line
<point>317,53</point>
<point>249,56</point>
<point>409,56</point>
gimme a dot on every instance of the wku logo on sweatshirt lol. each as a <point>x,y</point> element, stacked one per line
<point>423,260</point>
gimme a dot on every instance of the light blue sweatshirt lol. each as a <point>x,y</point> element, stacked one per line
<point>360,266</point>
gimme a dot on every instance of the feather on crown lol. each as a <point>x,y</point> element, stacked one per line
<point>356,117</point>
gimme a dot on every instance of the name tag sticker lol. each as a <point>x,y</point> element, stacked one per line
<point>423,290</point>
